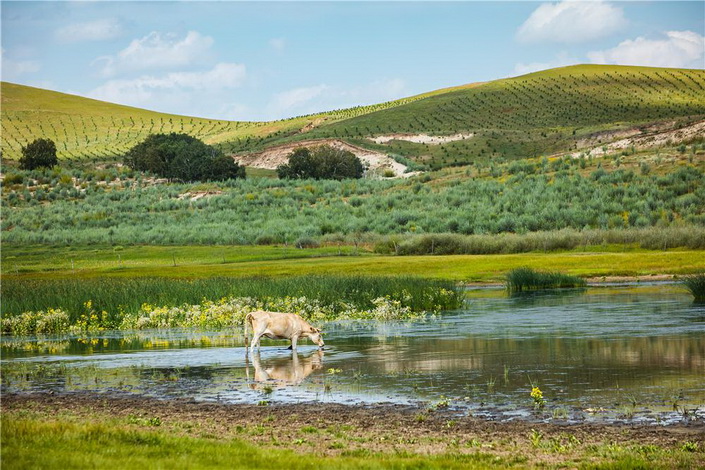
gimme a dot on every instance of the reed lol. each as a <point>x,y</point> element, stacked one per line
<point>120,296</point>
<point>526,279</point>
<point>696,285</point>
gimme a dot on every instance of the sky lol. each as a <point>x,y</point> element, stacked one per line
<point>273,60</point>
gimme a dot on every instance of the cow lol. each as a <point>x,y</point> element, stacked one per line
<point>279,325</point>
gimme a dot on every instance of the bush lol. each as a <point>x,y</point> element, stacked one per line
<point>182,157</point>
<point>13,178</point>
<point>323,162</point>
<point>39,153</point>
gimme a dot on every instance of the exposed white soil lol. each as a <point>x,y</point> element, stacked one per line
<point>421,138</point>
<point>196,195</point>
<point>377,163</point>
<point>638,139</point>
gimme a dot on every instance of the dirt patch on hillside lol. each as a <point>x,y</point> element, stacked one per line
<point>378,163</point>
<point>655,136</point>
<point>421,138</point>
<point>333,429</point>
<point>196,195</point>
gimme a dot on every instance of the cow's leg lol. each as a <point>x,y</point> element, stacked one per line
<point>257,332</point>
<point>255,341</point>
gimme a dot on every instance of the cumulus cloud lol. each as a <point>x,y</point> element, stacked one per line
<point>11,69</point>
<point>323,97</point>
<point>157,51</point>
<point>678,49</point>
<point>178,92</point>
<point>97,30</point>
<point>571,22</point>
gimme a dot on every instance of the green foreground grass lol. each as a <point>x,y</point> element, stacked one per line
<point>198,262</point>
<point>32,440</point>
<point>56,443</point>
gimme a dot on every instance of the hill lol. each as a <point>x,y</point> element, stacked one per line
<point>84,128</point>
<point>549,112</point>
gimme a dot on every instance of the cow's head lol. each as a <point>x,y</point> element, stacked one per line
<point>315,335</point>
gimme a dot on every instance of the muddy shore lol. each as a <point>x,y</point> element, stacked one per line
<point>331,429</point>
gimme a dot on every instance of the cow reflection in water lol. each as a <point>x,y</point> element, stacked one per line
<point>283,371</point>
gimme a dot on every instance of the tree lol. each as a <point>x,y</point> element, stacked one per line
<point>323,162</point>
<point>182,157</point>
<point>300,165</point>
<point>39,153</point>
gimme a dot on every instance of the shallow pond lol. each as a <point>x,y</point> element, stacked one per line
<point>632,354</point>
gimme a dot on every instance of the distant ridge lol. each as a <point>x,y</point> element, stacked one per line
<point>538,113</point>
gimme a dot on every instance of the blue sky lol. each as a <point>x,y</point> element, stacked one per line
<point>272,60</point>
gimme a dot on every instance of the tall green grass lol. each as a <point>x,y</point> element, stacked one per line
<point>649,238</point>
<point>526,279</point>
<point>696,285</point>
<point>128,295</point>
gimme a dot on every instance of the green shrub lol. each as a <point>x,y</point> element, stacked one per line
<point>38,154</point>
<point>182,157</point>
<point>13,178</point>
<point>322,162</point>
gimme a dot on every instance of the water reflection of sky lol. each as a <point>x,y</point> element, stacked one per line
<point>600,354</point>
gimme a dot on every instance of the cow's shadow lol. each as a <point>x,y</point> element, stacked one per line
<point>279,372</point>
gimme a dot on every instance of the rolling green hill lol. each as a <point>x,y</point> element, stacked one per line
<point>541,113</point>
<point>84,128</point>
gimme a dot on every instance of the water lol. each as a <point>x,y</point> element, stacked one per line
<point>617,354</point>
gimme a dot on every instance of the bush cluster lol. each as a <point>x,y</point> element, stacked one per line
<point>182,157</point>
<point>322,162</point>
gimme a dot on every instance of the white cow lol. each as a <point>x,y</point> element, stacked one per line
<point>278,325</point>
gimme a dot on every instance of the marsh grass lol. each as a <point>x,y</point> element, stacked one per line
<point>696,285</point>
<point>120,296</point>
<point>526,279</point>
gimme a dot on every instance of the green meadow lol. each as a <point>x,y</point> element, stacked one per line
<point>187,262</point>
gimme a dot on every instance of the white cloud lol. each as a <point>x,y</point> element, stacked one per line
<point>571,22</point>
<point>678,49</point>
<point>157,51</point>
<point>323,97</point>
<point>193,93</point>
<point>11,69</point>
<point>278,44</point>
<point>98,30</point>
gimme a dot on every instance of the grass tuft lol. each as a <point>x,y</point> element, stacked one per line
<point>526,279</point>
<point>696,285</point>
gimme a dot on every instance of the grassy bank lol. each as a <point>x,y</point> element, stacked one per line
<point>142,433</point>
<point>42,262</point>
